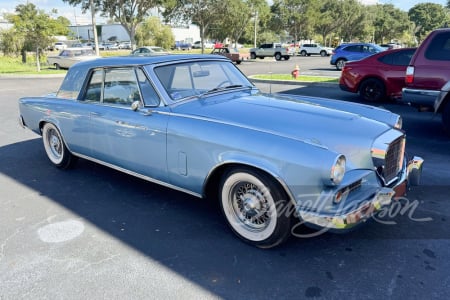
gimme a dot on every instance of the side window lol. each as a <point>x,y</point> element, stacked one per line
<point>354,48</point>
<point>149,94</point>
<point>403,58</point>
<point>387,59</point>
<point>94,88</point>
<point>439,48</point>
<point>120,86</point>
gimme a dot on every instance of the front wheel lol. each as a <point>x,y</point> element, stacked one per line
<point>372,90</point>
<point>55,148</point>
<point>253,55</point>
<point>323,53</point>
<point>255,207</point>
<point>57,67</point>
<point>303,53</point>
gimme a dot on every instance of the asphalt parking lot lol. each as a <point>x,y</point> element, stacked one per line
<point>94,233</point>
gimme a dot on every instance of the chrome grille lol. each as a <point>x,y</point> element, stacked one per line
<point>393,159</point>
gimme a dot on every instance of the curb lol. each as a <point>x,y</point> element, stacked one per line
<point>290,82</point>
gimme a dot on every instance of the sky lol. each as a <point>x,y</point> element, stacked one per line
<point>75,14</point>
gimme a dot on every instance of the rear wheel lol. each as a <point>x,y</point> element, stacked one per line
<point>286,57</point>
<point>253,55</point>
<point>255,207</point>
<point>372,90</point>
<point>446,117</point>
<point>340,64</point>
<point>277,56</point>
<point>55,147</point>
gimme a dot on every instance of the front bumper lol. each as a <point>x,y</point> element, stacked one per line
<point>364,203</point>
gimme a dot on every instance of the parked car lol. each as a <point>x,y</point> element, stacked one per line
<point>108,46</point>
<point>275,50</point>
<point>58,46</point>
<point>68,57</point>
<point>149,51</point>
<point>124,45</point>
<point>308,49</point>
<point>232,53</point>
<point>352,51</point>
<point>197,124</point>
<point>206,45</point>
<point>378,76</point>
<point>180,45</point>
<point>428,76</point>
<point>89,44</point>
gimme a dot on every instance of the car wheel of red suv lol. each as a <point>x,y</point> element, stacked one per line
<point>372,90</point>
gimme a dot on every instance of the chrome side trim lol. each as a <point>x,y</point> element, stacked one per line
<point>138,175</point>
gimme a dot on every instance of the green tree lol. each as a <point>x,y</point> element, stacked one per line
<point>203,13</point>
<point>129,13</point>
<point>297,17</point>
<point>427,17</point>
<point>32,31</point>
<point>329,20</point>
<point>152,32</point>
<point>389,23</point>
<point>353,17</point>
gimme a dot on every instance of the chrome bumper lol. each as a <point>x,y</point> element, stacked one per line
<point>348,220</point>
<point>383,197</point>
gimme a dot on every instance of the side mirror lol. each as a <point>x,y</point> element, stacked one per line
<point>135,105</point>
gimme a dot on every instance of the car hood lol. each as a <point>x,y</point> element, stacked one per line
<point>340,131</point>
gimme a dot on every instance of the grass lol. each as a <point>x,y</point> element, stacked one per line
<point>300,78</point>
<point>12,65</point>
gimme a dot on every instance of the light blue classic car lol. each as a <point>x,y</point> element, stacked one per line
<point>197,124</point>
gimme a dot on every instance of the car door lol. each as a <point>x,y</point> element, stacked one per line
<point>394,68</point>
<point>120,136</point>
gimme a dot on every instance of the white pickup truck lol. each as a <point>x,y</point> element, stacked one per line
<point>272,50</point>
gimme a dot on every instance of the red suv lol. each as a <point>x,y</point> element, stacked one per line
<point>428,76</point>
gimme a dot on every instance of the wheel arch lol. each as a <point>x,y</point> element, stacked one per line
<point>211,186</point>
<point>56,124</point>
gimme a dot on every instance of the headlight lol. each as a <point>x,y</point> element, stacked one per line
<point>338,170</point>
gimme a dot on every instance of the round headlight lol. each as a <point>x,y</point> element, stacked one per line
<point>338,170</point>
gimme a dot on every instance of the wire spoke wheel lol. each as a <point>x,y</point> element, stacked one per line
<point>55,148</point>
<point>250,202</point>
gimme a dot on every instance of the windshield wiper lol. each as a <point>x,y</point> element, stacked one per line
<point>219,89</point>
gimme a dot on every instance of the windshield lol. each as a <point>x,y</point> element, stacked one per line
<point>198,78</point>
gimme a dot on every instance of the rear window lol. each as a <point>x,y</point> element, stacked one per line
<point>439,48</point>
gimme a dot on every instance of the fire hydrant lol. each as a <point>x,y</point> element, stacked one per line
<point>295,72</point>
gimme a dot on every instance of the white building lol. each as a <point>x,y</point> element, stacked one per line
<point>117,32</point>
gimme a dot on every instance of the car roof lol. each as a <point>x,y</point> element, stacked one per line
<point>116,61</point>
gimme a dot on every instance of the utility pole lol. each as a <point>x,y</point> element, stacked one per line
<point>94,27</point>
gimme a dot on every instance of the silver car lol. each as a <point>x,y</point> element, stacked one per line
<point>195,123</point>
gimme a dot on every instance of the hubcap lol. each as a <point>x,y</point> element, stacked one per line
<point>250,206</point>
<point>55,144</point>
